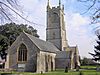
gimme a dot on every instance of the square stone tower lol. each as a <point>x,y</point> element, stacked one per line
<point>56,31</point>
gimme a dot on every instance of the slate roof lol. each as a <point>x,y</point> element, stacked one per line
<point>42,45</point>
<point>64,54</point>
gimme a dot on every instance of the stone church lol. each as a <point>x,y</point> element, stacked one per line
<point>31,54</point>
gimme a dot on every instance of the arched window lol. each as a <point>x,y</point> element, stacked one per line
<point>55,18</point>
<point>22,53</point>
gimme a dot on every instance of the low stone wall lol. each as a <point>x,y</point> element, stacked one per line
<point>9,74</point>
<point>7,70</point>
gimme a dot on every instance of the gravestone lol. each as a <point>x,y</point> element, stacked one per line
<point>66,69</point>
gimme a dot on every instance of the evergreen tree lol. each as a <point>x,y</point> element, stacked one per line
<point>96,54</point>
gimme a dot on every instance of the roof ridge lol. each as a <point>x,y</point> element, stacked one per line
<point>41,44</point>
<point>31,39</point>
<point>38,38</point>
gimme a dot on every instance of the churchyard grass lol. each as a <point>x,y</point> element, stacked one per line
<point>88,67</point>
<point>85,72</point>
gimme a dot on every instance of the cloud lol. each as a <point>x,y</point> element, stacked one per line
<point>77,25</point>
<point>77,20</point>
<point>35,11</point>
<point>79,32</point>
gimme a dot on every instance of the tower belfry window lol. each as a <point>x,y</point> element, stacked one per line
<point>55,17</point>
<point>22,53</point>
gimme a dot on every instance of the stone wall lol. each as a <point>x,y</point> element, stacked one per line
<point>61,63</point>
<point>31,62</point>
<point>37,60</point>
<point>44,60</point>
<point>56,31</point>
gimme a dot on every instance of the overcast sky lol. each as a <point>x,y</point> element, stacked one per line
<point>78,30</point>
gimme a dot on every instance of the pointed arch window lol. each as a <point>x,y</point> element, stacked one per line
<point>55,17</point>
<point>22,53</point>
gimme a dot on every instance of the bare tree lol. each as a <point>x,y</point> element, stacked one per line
<point>93,6</point>
<point>7,8</point>
<point>10,8</point>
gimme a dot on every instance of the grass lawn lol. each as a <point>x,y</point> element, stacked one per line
<point>85,72</point>
<point>88,67</point>
<point>49,73</point>
<point>61,72</point>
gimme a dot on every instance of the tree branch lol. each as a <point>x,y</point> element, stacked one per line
<point>84,0</point>
<point>94,1</point>
<point>19,14</point>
